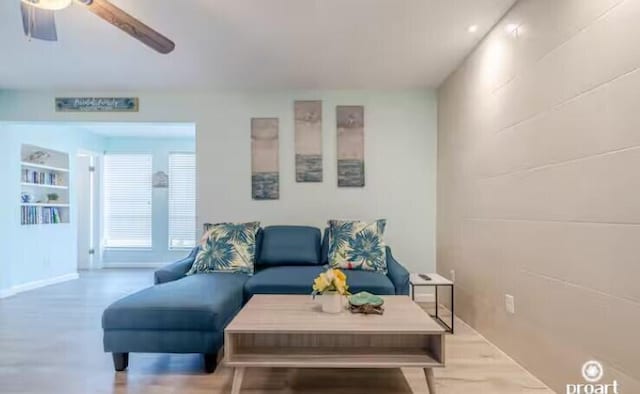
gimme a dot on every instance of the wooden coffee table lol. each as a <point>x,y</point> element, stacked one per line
<point>290,331</point>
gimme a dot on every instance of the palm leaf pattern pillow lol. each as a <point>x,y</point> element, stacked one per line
<point>357,245</point>
<point>227,247</point>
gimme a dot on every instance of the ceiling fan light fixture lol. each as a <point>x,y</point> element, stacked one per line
<point>53,5</point>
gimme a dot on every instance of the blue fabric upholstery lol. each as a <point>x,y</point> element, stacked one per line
<point>259,238</point>
<point>188,314</point>
<point>371,281</point>
<point>398,274</point>
<point>299,279</point>
<point>197,302</point>
<point>282,280</point>
<point>324,252</point>
<point>177,270</point>
<point>162,341</point>
<point>289,245</point>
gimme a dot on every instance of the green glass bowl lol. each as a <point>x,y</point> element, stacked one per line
<point>365,298</point>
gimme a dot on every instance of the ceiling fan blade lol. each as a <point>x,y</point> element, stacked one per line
<point>38,23</point>
<point>130,25</point>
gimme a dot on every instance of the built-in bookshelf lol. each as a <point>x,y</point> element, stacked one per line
<point>44,182</point>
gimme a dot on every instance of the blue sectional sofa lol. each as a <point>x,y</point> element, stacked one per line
<point>188,314</point>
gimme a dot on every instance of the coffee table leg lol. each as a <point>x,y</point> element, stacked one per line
<point>428,372</point>
<point>238,375</point>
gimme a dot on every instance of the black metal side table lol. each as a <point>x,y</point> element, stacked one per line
<point>435,281</point>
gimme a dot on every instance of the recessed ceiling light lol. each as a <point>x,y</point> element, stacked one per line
<point>472,28</point>
<point>512,28</point>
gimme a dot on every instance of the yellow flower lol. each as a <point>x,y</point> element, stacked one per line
<point>340,275</point>
<point>341,287</point>
<point>321,283</point>
<point>340,281</point>
<point>331,280</point>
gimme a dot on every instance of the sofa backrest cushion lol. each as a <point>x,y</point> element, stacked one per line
<point>259,236</point>
<point>324,252</point>
<point>289,245</point>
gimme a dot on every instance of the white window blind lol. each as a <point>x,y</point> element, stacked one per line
<point>182,200</point>
<point>127,201</point>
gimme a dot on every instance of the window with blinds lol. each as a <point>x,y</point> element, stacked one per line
<point>182,200</point>
<point>127,200</point>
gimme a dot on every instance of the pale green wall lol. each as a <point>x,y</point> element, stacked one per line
<point>33,253</point>
<point>400,157</point>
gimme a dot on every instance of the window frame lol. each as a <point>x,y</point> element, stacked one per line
<point>105,211</point>
<point>195,208</point>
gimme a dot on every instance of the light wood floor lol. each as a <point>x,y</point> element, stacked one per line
<point>51,342</point>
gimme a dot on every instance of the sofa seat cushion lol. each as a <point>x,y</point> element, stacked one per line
<point>202,302</point>
<point>289,245</point>
<point>371,281</point>
<point>282,280</point>
<point>299,279</point>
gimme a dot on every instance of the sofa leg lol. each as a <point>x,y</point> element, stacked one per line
<point>120,361</point>
<point>210,362</point>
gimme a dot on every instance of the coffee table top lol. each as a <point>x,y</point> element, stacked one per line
<point>302,314</point>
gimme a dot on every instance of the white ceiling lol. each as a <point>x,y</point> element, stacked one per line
<point>145,130</point>
<point>251,44</point>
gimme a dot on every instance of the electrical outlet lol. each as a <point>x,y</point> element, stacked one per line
<point>510,304</point>
<point>452,274</point>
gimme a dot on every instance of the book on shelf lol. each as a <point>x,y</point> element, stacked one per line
<point>40,215</point>
<point>41,177</point>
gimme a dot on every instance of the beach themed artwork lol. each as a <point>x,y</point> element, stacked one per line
<point>265,182</point>
<point>96,104</point>
<point>308,140</point>
<point>350,121</point>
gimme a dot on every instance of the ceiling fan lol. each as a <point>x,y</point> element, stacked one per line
<point>38,21</point>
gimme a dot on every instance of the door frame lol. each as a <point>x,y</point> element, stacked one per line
<point>95,207</point>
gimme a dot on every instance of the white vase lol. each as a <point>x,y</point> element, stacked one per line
<point>331,302</point>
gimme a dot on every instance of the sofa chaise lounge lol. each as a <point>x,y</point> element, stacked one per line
<point>188,314</point>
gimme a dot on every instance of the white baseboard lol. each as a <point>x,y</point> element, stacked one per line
<point>425,297</point>
<point>154,265</point>
<point>37,284</point>
<point>4,293</point>
<point>44,282</point>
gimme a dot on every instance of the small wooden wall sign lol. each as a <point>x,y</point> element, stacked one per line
<point>96,104</point>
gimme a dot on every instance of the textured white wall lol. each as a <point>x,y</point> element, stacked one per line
<point>538,187</point>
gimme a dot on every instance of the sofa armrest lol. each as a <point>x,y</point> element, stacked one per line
<point>177,270</point>
<point>398,274</point>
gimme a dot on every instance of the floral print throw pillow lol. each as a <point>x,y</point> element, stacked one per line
<point>227,247</point>
<point>357,245</point>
